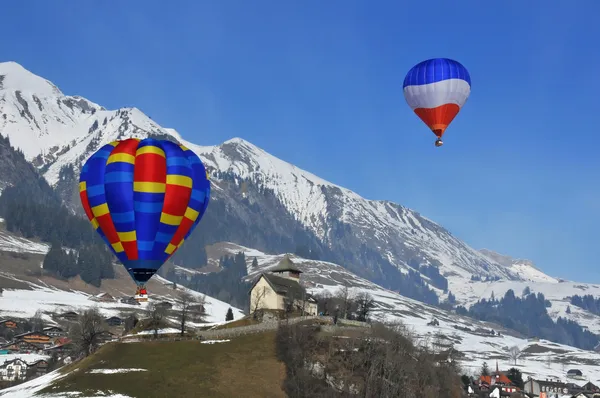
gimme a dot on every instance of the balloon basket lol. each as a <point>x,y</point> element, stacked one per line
<point>439,143</point>
<point>141,295</point>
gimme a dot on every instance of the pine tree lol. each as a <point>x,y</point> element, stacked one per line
<point>254,263</point>
<point>485,371</point>
<point>229,315</point>
<point>568,309</point>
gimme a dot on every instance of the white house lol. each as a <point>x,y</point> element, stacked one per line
<point>13,370</point>
<point>280,289</point>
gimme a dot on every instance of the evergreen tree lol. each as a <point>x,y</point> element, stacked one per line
<point>516,377</point>
<point>229,315</point>
<point>568,309</point>
<point>526,291</point>
<point>485,371</point>
<point>254,264</point>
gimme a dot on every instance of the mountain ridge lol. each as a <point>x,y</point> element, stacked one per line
<point>370,237</point>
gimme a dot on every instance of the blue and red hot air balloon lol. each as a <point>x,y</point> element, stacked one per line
<point>436,90</point>
<point>144,198</point>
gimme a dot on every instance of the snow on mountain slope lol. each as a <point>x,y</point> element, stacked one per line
<point>539,359</point>
<point>524,268</point>
<point>39,119</point>
<point>37,116</point>
<point>12,243</point>
<point>557,293</point>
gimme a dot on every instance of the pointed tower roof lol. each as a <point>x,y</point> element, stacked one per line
<point>286,264</point>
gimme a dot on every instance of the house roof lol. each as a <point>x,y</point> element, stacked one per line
<point>30,333</point>
<point>286,264</point>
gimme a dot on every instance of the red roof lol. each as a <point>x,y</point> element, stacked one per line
<point>499,378</point>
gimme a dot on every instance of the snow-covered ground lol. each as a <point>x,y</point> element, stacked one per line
<point>25,303</point>
<point>12,243</point>
<point>469,292</point>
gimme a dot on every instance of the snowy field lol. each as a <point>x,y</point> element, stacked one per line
<point>24,303</point>
<point>469,292</point>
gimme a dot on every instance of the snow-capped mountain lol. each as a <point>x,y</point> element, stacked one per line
<point>252,189</point>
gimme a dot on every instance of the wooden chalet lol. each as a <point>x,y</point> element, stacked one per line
<point>37,338</point>
<point>69,316</point>
<point>106,336</point>
<point>39,368</point>
<point>103,298</point>
<point>62,344</point>
<point>8,324</point>
<point>130,301</point>
<point>22,346</point>
<point>54,331</point>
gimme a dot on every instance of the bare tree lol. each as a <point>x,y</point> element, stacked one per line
<point>325,302</point>
<point>514,353</point>
<point>37,323</point>
<point>85,333</point>
<point>365,303</point>
<point>191,308</point>
<point>257,298</point>
<point>156,319</point>
<point>343,296</point>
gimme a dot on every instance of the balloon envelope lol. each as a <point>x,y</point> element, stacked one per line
<point>144,198</point>
<point>436,90</point>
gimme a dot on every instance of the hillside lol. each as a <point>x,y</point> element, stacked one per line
<point>27,288</point>
<point>258,200</point>
<point>169,369</point>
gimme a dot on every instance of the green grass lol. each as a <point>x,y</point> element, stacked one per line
<point>246,367</point>
<point>237,323</point>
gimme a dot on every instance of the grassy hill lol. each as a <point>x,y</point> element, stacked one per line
<point>180,369</point>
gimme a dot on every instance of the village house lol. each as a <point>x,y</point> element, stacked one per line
<point>106,336</point>
<point>22,347</point>
<point>575,374</point>
<point>70,315</point>
<point>61,344</point>
<point>165,305</point>
<point>548,387</point>
<point>8,324</point>
<point>12,370</point>
<point>497,380</point>
<point>38,368</point>
<point>280,289</point>
<point>103,298</point>
<point>130,301</point>
<point>54,331</point>
<point>114,321</point>
<point>37,338</point>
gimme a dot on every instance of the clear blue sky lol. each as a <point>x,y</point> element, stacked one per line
<point>319,84</point>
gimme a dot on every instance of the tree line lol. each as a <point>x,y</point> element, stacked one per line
<point>386,363</point>
<point>33,210</point>
<point>226,285</point>
<point>587,302</point>
<point>528,315</point>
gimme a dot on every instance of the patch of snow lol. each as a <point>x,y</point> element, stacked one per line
<point>159,331</point>
<point>113,371</point>
<point>12,243</point>
<point>214,341</point>
<point>29,388</point>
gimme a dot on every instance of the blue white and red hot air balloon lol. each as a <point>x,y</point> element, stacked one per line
<point>436,90</point>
